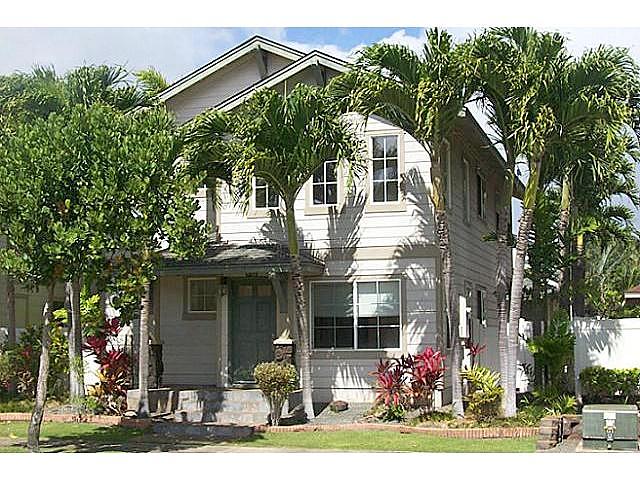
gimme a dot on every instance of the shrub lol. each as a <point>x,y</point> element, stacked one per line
<point>551,401</point>
<point>114,371</point>
<point>604,385</point>
<point>6,371</point>
<point>485,393</point>
<point>23,360</point>
<point>554,348</point>
<point>277,381</point>
<point>408,382</point>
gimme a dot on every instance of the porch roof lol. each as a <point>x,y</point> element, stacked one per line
<point>228,259</point>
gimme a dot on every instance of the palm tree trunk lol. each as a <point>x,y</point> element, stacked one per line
<point>33,439</point>
<point>143,354</point>
<point>302,323</point>
<point>76,366</point>
<point>578,279</point>
<point>503,258</point>
<point>11,323</point>
<point>563,223</point>
<point>444,245</point>
<point>517,283</point>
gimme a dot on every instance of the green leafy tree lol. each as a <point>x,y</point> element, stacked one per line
<point>95,188</point>
<point>424,94</point>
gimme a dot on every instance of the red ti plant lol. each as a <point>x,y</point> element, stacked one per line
<point>409,381</point>
<point>114,370</point>
<point>474,350</point>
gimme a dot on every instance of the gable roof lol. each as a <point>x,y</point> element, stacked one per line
<point>225,59</point>
<point>315,57</point>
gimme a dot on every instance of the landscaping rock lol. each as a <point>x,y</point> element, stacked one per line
<point>338,406</point>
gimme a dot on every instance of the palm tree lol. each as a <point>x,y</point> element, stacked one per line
<point>423,94</point>
<point>543,101</point>
<point>283,141</point>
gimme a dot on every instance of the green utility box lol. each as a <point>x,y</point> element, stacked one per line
<point>610,427</point>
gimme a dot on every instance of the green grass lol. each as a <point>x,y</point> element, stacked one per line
<point>67,436</point>
<point>386,442</point>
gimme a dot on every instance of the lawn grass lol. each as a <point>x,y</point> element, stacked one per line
<point>387,442</point>
<point>75,436</point>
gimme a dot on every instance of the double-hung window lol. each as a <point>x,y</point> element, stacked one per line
<point>481,307</point>
<point>264,195</point>
<point>385,169</point>
<point>325,184</point>
<point>203,295</point>
<point>358,315</point>
<point>482,196</point>
<point>466,198</point>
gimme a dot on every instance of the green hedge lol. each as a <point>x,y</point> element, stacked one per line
<point>610,385</point>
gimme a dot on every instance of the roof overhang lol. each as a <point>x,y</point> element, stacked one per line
<point>233,260</point>
<point>225,59</point>
<point>314,58</point>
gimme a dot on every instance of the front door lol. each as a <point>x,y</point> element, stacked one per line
<point>252,328</point>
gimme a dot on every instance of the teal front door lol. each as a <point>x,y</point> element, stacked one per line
<point>252,327</point>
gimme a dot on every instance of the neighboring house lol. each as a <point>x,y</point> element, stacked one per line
<point>632,297</point>
<point>370,261</point>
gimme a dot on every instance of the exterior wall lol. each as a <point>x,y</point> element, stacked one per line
<point>221,85</point>
<point>191,347</point>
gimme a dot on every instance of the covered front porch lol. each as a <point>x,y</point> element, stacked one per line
<point>215,318</point>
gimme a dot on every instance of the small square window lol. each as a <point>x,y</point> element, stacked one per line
<point>264,196</point>
<point>325,184</point>
<point>203,295</point>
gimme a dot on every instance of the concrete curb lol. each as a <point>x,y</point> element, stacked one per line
<point>107,420</point>
<point>467,433</point>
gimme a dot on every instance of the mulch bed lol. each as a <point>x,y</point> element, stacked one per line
<point>107,420</point>
<point>469,433</point>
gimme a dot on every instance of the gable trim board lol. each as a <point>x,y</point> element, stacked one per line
<point>311,59</point>
<point>258,43</point>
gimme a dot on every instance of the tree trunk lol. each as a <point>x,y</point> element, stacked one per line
<point>444,245</point>
<point>76,365</point>
<point>563,223</point>
<point>143,354</point>
<point>578,279</point>
<point>503,259</point>
<point>11,324</point>
<point>517,283</point>
<point>33,439</point>
<point>302,323</point>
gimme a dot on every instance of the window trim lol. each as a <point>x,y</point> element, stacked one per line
<point>353,284</point>
<point>312,209</point>
<point>481,312</point>
<point>394,206</point>
<point>189,314</point>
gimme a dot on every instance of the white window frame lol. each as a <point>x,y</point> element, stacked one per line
<point>324,184</point>
<point>266,187</point>
<point>481,305</point>
<point>355,315</point>
<point>481,209</point>
<point>199,312</point>
<point>385,181</point>
<point>466,190</point>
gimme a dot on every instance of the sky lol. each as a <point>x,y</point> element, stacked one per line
<point>177,51</point>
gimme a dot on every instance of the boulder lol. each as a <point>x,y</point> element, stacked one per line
<point>338,406</point>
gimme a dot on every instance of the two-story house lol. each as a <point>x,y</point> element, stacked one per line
<point>371,263</point>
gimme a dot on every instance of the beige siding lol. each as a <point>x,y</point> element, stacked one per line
<point>191,348</point>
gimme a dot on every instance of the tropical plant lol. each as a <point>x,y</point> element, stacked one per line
<point>553,350</point>
<point>485,393</point>
<point>423,94</point>
<point>408,382</point>
<point>283,141</point>
<point>604,385</point>
<point>277,381</point>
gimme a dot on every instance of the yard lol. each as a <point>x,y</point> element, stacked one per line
<point>82,437</point>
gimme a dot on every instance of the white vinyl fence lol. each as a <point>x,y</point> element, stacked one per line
<point>609,343</point>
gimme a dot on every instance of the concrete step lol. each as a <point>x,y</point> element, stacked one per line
<point>237,418</point>
<point>202,430</point>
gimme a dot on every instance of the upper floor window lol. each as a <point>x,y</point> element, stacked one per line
<point>481,311</point>
<point>445,161</point>
<point>466,196</point>
<point>482,196</point>
<point>325,184</point>
<point>385,169</point>
<point>264,195</point>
